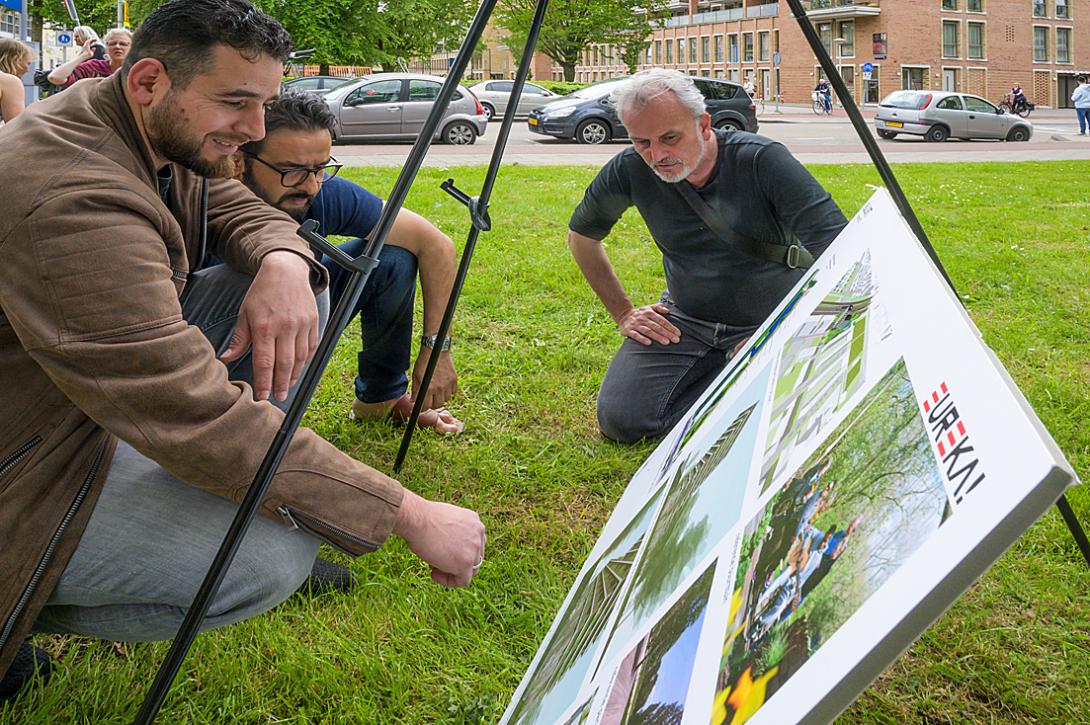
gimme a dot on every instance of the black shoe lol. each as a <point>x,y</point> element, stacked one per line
<point>28,661</point>
<point>325,576</point>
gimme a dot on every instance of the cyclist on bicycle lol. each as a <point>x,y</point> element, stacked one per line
<point>749,87</point>
<point>826,92</point>
<point>1017,97</point>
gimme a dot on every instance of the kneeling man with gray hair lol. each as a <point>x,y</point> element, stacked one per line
<point>737,219</point>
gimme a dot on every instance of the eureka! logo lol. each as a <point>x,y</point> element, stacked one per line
<point>951,440</point>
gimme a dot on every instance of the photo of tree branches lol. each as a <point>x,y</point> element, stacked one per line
<point>569,654</point>
<point>860,505</point>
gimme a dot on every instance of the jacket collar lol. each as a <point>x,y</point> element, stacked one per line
<point>110,102</point>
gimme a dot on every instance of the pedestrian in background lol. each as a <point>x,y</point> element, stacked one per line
<point>1081,97</point>
<point>87,64</point>
<point>15,60</point>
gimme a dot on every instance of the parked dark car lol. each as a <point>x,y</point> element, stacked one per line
<point>314,84</point>
<point>588,115</point>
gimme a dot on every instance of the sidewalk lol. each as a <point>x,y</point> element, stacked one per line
<point>798,113</point>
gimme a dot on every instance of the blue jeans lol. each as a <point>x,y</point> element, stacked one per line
<point>385,309</point>
<point>1084,118</point>
<point>827,99</point>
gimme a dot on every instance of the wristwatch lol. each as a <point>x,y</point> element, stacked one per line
<point>430,340</point>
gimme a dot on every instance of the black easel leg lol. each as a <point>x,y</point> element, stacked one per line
<point>1074,527</point>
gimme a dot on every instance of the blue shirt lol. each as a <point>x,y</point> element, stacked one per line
<point>345,208</point>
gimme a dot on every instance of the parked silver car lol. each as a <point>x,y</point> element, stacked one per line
<point>939,115</point>
<point>395,106</point>
<point>494,96</point>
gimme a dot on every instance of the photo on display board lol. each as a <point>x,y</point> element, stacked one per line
<point>703,503</point>
<point>652,682</point>
<point>826,541</point>
<point>571,650</point>
<point>822,365</point>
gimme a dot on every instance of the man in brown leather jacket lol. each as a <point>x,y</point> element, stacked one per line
<point>124,438</point>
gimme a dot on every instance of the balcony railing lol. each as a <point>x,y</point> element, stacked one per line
<point>770,10</point>
<point>842,8</point>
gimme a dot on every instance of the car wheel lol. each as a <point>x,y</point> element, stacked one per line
<point>593,131</point>
<point>729,124</point>
<point>882,133</point>
<point>1018,133</point>
<point>489,111</point>
<point>459,133</point>
<point>937,134</point>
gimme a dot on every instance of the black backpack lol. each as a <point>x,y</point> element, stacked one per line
<point>41,79</point>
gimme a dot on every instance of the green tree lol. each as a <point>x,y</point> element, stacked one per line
<point>573,25</point>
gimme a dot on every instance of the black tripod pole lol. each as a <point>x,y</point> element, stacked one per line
<point>479,221</point>
<point>899,198</point>
<point>361,268</point>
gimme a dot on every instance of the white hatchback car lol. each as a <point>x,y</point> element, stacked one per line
<point>939,115</point>
<point>496,94</point>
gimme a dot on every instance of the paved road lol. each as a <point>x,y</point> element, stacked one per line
<point>810,138</point>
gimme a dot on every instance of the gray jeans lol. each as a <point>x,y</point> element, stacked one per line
<point>649,387</point>
<point>151,538</point>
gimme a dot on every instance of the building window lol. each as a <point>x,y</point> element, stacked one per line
<point>974,6</point>
<point>719,49</point>
<point>825,32</point>
<point>1063,45</point>
<point>658,52</point>
<point>1040,44</point>
<point>975,41</point>
<point>681,50</point>
<point>692,50</point>
<point>9,22</point>
<point>950,39</point>
<point>747,47</point>
<point>705,49</point>
<point>847,35</point>
<point>912,79</point>
<point>1040,8</point>
<point>732,45</point>
<point>949,4</point>
<point>1062,11</point>
<point>762,46</point>
<point>669,52</point>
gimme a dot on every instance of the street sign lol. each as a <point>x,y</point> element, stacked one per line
<point>70,6</point>
<point>64,38</point>
<point>776,58</point>
<point>868,67</point>
<point>866,75</point>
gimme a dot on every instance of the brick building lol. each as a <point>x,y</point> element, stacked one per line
<point>973,46</point>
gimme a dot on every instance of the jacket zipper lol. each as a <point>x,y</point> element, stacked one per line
<point>13,460</point>
<point>322,530</point>
<point>68,516</point>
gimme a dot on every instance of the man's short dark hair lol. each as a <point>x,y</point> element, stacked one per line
<point>182,33</point>
<point>294,111</point>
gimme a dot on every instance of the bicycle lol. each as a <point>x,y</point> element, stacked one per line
<point>818,104</point>
<point>1022,108</point>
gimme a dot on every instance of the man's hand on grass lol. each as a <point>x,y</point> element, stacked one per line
<point>448,538</point>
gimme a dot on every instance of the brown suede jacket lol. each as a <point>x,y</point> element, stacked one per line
<point>93,348</point>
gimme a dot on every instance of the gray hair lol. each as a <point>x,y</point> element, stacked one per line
<point>116,31</point>
<point>647,85</point>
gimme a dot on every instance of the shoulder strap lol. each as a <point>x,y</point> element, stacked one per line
<point>792,256</point>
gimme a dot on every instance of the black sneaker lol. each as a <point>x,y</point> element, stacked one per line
<point>29,660</point>
<point>326,576</point>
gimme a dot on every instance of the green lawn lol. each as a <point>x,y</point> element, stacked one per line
<point>532,344</point>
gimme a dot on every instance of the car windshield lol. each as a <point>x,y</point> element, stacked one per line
<point>595,91</point>
<point>906,99</point>
<point>342,84</point>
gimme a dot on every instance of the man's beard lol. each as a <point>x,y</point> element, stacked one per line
<point>683,173</point>
<point>167,134</point>
<point>298,213</point>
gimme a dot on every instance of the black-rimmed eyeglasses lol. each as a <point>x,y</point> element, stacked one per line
<point>291,178</point>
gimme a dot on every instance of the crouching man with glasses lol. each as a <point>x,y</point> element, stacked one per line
<point>292,170</point>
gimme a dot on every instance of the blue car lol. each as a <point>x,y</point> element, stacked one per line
<point>588,116</point>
